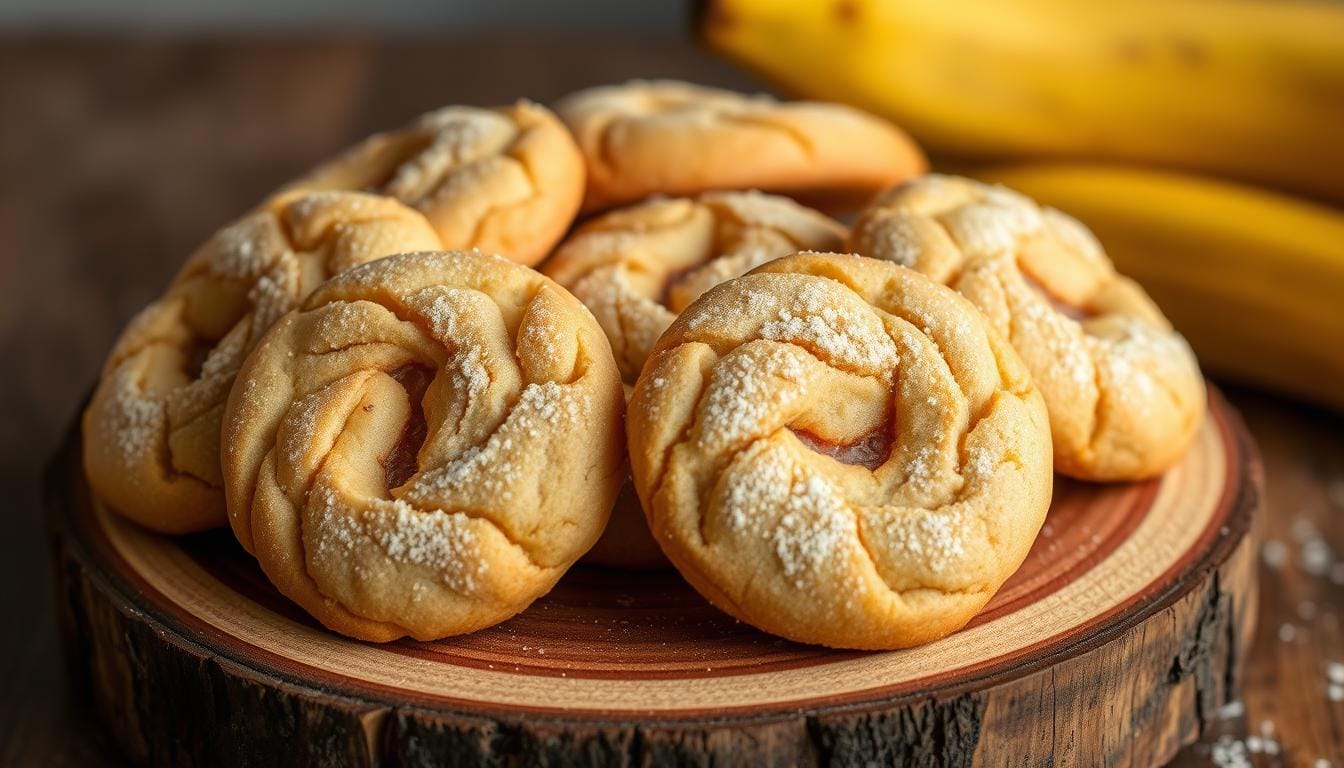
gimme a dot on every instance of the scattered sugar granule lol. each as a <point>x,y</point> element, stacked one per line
<point>449,311</point>
<point>1232,709</point>
<point>925,470</point>
<point>272,295</point>
<point>1274,553</point>
<point>1334,672</point>
<point>1287,633</point>
<point>1316,556</point>
<point>1264,743</point>
<point>1229,752</point>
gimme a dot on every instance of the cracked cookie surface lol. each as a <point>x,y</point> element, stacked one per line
<point>674,138</point>
<point>506,180</point>
<point>425,446</point>
<point>840,451</point>
<point>1123,389</point>
<point>151,430</point>
<point>637,267</point>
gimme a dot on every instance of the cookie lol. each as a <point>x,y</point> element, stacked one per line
<point>506,180</point>
<point>425,445</point>
<point>1123,389</point>
<point>840,451</point>
<point>151,431</point>
<point>636,268</point>
<point>675,138</point>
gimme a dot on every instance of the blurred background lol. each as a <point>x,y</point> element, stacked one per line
<point>1202,139</point>
<point>312,16</point>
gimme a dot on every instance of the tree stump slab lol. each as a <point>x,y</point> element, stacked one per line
<point>1116,642</point>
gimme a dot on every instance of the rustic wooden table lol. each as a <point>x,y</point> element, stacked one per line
<point>116,157</point>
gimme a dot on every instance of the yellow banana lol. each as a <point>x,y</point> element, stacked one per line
<point>1248,89</point>
<point>1254,279</point>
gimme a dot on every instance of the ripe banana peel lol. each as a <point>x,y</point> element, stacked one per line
<point>1247,89</point>
<point>1254,279</point>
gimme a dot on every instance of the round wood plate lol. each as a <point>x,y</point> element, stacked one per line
<point>1113,644</point>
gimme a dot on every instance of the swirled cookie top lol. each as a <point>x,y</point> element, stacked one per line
<point>154,416</point>
<point>507,390</point>
<point>668,137</point>
<point>742,428</point>
<point>636,268</point>
<point>506,180</point>
<point>1099,348</point>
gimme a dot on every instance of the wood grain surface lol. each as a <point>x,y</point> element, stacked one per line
<point>118,156</point>
<point>1136,600</point>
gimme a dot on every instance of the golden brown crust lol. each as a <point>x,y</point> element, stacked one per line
<point>674,138</point>
<point>151,431</point>
<point>635,268</point>
<point>511,474</point>
<point>1123,389</point>
<point>506,180</point>
<point>737,421</point>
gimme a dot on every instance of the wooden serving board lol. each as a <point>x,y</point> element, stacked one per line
<point>1114,644</point>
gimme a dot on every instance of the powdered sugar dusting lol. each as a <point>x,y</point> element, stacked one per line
<point>896,239</point>
<point>746,390</point>
<point>303,419</point>
<point>750,303</point>
<point>446,309</point>
<point>935,538</point>
<point>245,249</point>
<point>856,340</point>
<point>136,421</point>
<point>273,294</point>
<point>542,333</point>
<point>451,313</point>
<point>443,542</point>
<point>992,227</point>
<point>1069,359</point>
<point>461,136</point>
<point>492,467</point>
<point>924,471</point>
<point>980,463</point>
<point>815,526</point>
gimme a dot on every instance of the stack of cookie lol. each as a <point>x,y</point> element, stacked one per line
<point>416,433</point>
